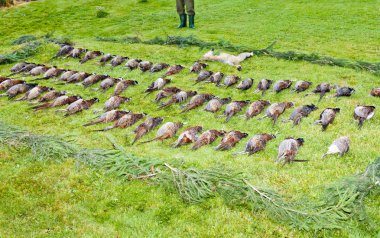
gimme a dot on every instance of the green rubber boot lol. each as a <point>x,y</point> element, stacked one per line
<point>191,22</point>
<point>182,19</point>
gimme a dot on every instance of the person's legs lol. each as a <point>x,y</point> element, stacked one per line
<point>181,13</point>
<point>190,11</point>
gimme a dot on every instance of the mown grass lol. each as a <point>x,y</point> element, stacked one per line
<point>57,200</point>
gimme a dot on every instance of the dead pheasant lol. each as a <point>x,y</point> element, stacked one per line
<point>7,84</point>
<point>90,55</point>
<point>58,102</point>
<point>178,98</point>
<point>105,58</point>
<point>145,66</point>
<point>215,104</point>
<point>76,53</point>
<point>344,92</point>
<point>257,143</point>
<point>34,93</point>
<point>114,102</point>
<point>125,121</point>
<point>18,89</point>
<point>231,80</point>
<point>157,85</point>
<point>66,75</point>
<point>322,89</point>
<point>159,67</point>
<point>203,75</point>
<point>233,108</point>
<point>77,77</point>
<point>301,86</point>
<point>288,150</point>
<point>216,78</point>
<point>197,67</point>
<point>188,136</point>
<point>276,109</point>
<point>51,73</point>
<point>93,79</point>
<point>51,95</point>
<point>80,105</point>
<point>108,82</point>
<point>263,86</point>
<point>107,117</point>
<point>174,69</point>
<point>145,127</point>
<point>197,101</point>
<point>256,108</point>
<point>38,70</point>
<point>339,146</point>
<point>363,113</point>
<point>123,85</point>
<point>207,137</point>
<point>118,60</point>
<point>166,131</point>
<point>282,85</point>
<point>245,84</point>
<point>230,140</point>
<point>166,92</point>
<point>65,50</point>
<point>133,64</point>
<point>327,117</point>
<point>300,112</point>
<point>375,92</point>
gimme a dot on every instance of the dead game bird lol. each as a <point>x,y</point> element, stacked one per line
<point>51,95</point>
<point>79,106</point>
<point>257,143</point>
<point>276,109</point>
<point>233,108</point>
<point>263,86</point>
<point>344,92</point>
<point>51,73</point>
<point>93,79</point>
<point>65,50</point>
<point>375,92</point>
<point>157,85</point>
<point>288,150</point>
<point>28,67</point>
<point>133,64</point>
<point>166,92</point>
<point>107,117</point>
<point>322,89</point>
<point>18,89</point>
<point>77,77</point>
<point>188,136</point>
<point>300,112</point>
<point>66,75</point>
<point>38,70</point>
<point>108,82</point>
<point>166,131</point>
<point>18,66</point>
<point>216,78</point>
<point>114,102</point>
<point>203,75</point>
<point>206,138</point>
<point>301,86</point>
<point>125,121</point>
<point>230,140</point>
<point>178,98</point>
<point>174,69</point>
<point>282,85</point>
<point>34,93</point>
<point>256,108</point>
<point>145,127</point>
<point>76,53</point>
<point>327,117</point>
<point>231,80</point>
<point>58,102</point>
<point>339,146</point>
<point>197,67</point>
<point>197,101</point>
<point>105,58</point>
<point>122,85</point>
<point>2,79</point>
<point>145,66</point>
<point>159,67</point>
<point>215,104</point>
<point>118,60</point>
<point>90,55</point>
<point>245,84</point>
<point>7,84</point>
<point>363,113</point>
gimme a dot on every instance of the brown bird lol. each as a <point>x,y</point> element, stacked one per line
<point>65,50</point>
<point>322,89</point>
<point>93,79</point>
<point>174,69</point>
<point>257,143</point>
<point>264,85</point>
<point>276,109</point>
<point>51,95</point>
<point>282,85</point>
<point>158,67</point>
<point>125,121</point>
<point>38,70</point>
<point>215,104</point>
<point>375,92</point>
<point>105,58</point>
<point>7,84</point>
<point>58,102</point>
<point>34,93</point>
<point>188,136</point>
<point>107,117</point>
<point>166,131</point>
<point>256,108</point>
<point>51,73</point>
<point>145,127</point>
<point>118,60</point>
<point>339,146</point>
<point>288,150</point>
<point>197,67</point>
<point>108,82</point>
<point>90,55</point>
<point>133,64</point>
<point>157,85</point>
<point>77,77</point>
<point>197,101</point>
<point>178,98</point>
<point>300,112</point>
<point>18,89</point>
<point>231,80</point>
<point>76,53</point>
<point>327,117</point>
<point>145,65</point>
<point>344,92</point>
<point>207,137</point>
<point>230,140</point>
<point>28,67</point>
<point>203,75</point>
<point>166,92</point>
<point>216,78</point>
<point>17,67</point>
<point>122,85</point>
<point>114,102</point>
<point>363,113</point>
<point>80,105</point>
<point>66,75</point>
<point>2,78</point>
<point>233,108</point>
<point>245,84</point>
<point>301,86</point>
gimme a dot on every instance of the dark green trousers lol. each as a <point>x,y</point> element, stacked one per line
<point>189,7</point>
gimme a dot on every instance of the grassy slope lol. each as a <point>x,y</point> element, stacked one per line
<point>106,206</point>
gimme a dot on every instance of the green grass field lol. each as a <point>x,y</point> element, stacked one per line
<point>46,198</point>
